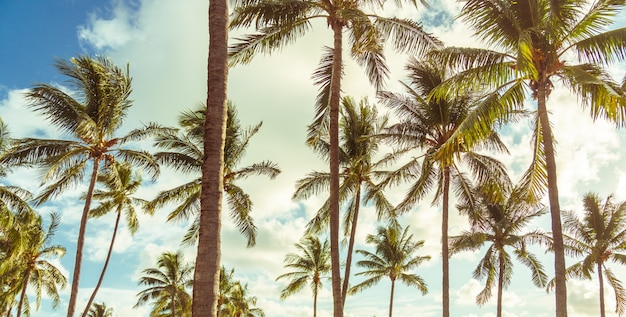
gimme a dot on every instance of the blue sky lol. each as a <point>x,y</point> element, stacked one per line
<point>165,44</point>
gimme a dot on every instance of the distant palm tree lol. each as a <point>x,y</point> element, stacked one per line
<point>599,236</point>
<point>184,152</point>
<point>167,286</point>
<point>310,266</point>
<point>120,183</point>
<point>393,258</point>
<point>282,22</point>
<point>35,268</point>
<point>241,304</point>
<point>427,126</point>
<point>359,126</point>
<point>534,44</point>
<point>90,115</point>
<point>499,221</point>
<point>99,310</point>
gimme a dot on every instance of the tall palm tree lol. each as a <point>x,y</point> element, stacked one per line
<point>281,22</point>
<point>426,125</point>
<point>100,310</point>
<point>535,44</point>
<point>120,184</point>
<point>498,222</point>
<point>90,115</point>
<point>598,236</point>
<point>393,258</point>
<point>310,266</point>
<point>359,124</point>
<point>167,286</point>
<point>35,268</point>
<point>183,152</point>
<point>208,256</point>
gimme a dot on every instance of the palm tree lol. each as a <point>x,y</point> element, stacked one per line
<point>100,310</point>
<point>498,221</point>
<point>120,183</point>
<point>359,124</point>
<point>309,266</point>
<point>91,119</point>
<point>597,237</point>
<point>537,43</point>
<point>14,198</point>
<point>208,257</point>
<point>281,22</point>
<point>426,126</point>
<point>183,152</point>
<point>234,299</point>
<point>393,258</point>
<point>35,269</point>
<point>167,286</point>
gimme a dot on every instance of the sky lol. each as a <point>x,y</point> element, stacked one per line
<point>165,43</point>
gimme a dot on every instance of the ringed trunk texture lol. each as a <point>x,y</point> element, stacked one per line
<point>555,208</point>
<point>81,239</point>
<point>207,269</point>
<point>444,244</point>
<point>601,282</point>
<point>335,88</point>
<point>106,264</point>
<point>355,217</point>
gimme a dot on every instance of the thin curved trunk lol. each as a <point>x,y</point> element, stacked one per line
<point>500,284</point>
<point>393,286</point>
<point>106,263</point>
<point>601,282</point>
<point>81,238</point>
<point>22,295</point>
<point>335,89</point>
<point>444,244</point>
<point>355,217</point>
<point>315,301</point>
<point>207,268</point>
<point>555,208</point>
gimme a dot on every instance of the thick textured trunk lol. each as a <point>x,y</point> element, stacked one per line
<point>444,244</point>
<point>22,295</point>
<point>207,269</point>
<point>555,208</point>
<point>500,284</point>
<point>335,89</point>
<point>355,217</point>
<point>81,238</point>
<point>106,263</point>
<point>393,286</point>
<point>601,282</point>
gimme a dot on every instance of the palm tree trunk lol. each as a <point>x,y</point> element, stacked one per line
<point>444,244</point>
<point>315,301</point>
<point>601,282</point>
<point>173,305</point>
<point>555,208</point>
<point>106,263</point>
<point>207,269</point>
<point>335,89</point>
<point>22,295</point>
<point>355,217</point>
<point>81,238</point>
<point>500,284</point>
<point>393,286</point>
